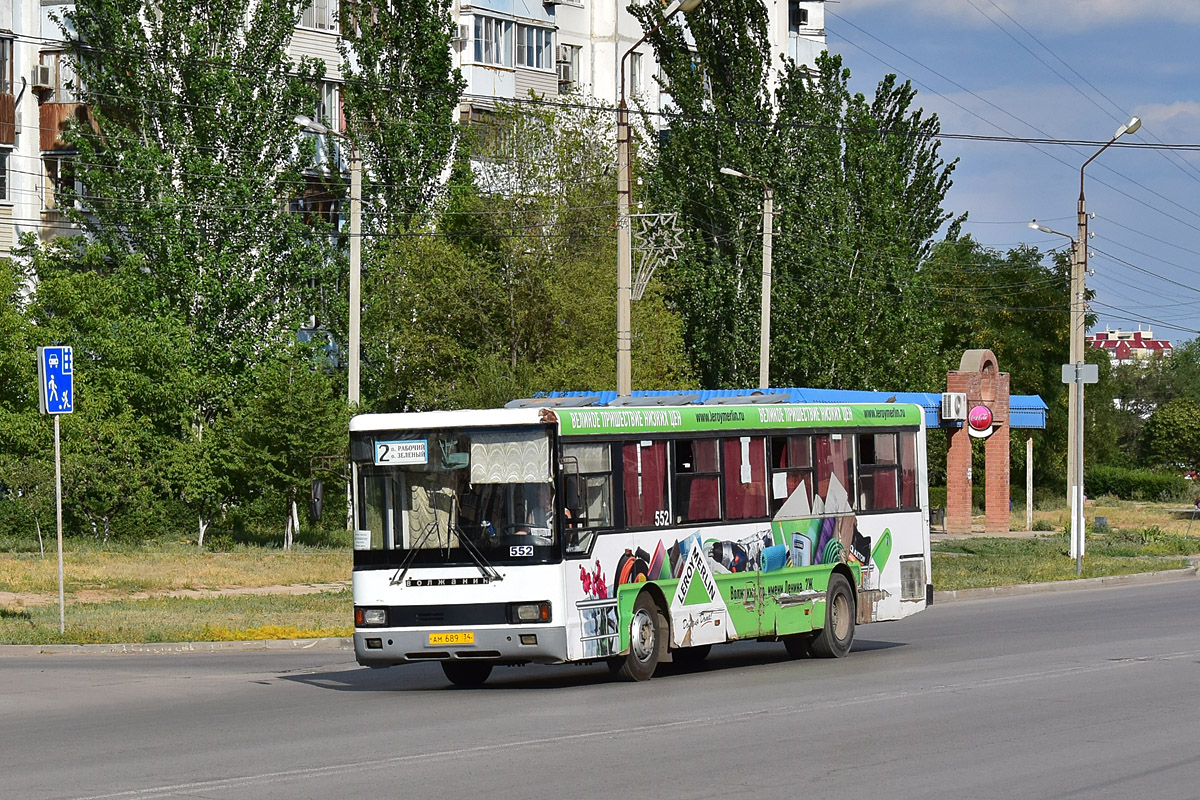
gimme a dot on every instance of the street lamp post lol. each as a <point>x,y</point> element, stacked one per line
<point>624,226</point>
<point>764,335</point>
<point>1077,322</point>
<point>352,380</point>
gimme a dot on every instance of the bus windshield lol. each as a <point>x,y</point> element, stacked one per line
<point>429,490</point>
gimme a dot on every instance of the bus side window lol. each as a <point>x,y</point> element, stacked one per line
<point>878,472</point>
<point>697,480</point>
<point>835,476</point>
<point>588,490</point>
<point>908,470</point>
<point>644,471</point>
<point>744,469</point>
<point>791,469</point>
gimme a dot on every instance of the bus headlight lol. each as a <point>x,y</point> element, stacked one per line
<point>370,617</point>
<point>529,612</point>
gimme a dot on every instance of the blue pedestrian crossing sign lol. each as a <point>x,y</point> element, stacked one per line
<point>56,380</point>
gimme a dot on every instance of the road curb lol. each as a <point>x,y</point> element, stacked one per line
<point>1164,576</point>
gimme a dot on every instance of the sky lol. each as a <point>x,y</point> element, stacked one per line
<point>1063,70</point>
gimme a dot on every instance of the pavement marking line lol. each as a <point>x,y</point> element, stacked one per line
<point>265,778</point>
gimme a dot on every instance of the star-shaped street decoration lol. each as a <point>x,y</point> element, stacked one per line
<point>657,240</point>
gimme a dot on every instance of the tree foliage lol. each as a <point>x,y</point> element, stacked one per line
<point>189,164</point>
<point>1173,433</point>
<point>858,189</point>
<point>514,292</point>
<point>401,96</point>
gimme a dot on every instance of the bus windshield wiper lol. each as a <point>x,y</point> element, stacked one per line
<point>489,572</point>
<point>398,577</point>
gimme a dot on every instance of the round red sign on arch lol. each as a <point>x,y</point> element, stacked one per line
<point>980,418</point>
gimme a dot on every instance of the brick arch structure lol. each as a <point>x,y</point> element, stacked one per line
<point>980,378</point>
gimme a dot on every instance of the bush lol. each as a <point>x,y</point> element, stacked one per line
<point>1136,484</point>
<point>1042,525</point>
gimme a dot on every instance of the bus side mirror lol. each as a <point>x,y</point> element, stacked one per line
<point>315,501</point>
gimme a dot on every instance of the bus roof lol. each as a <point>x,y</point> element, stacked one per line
<point>600,421</point>
<point>464,418</point>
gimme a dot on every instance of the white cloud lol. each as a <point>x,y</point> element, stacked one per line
<point>1172,122</point>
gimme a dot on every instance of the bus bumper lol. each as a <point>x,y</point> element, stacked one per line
<point>541,644</point>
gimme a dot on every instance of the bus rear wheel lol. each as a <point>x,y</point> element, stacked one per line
<point>647,632</point>
<point>835,639</point>
<point>467,673</point>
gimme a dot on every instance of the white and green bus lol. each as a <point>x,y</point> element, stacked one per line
<point>633,534</point>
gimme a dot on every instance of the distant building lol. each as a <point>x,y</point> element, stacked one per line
<point>1130,347</point>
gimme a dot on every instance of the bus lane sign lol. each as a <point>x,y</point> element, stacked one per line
<point>56,380</point>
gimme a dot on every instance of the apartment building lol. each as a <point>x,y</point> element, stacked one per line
<point>505,49</point>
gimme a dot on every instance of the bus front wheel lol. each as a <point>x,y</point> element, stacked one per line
<point>834,640</point>
<point>647,632</point>
<point>467,673</point>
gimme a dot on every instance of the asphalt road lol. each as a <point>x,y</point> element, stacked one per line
<point>1081,694</point>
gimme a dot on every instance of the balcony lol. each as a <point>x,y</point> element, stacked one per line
<point>54,119</point>
<point>8,118</point>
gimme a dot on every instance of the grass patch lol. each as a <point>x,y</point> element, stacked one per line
<point>168,619</point>
<point>981,561</point>
<point>155,568</point>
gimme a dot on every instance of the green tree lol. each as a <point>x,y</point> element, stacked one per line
<point>862,190</point>
<point>401,96</point>
<point>1173,433</point>
<point>134,389</point>
<point>1014,304</point>
<point>293,416</point>
<point>858,188</point>
<point>190,163</point>
<point>514,292</point>
<point>721,92</point>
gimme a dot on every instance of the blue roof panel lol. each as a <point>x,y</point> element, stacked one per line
<point>1025,410</point>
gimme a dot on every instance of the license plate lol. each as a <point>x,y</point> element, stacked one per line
<point>457,637</point>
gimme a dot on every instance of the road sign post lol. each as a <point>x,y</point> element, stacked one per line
<point>56,390</point>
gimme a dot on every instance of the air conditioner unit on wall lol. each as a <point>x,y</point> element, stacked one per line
<point>564,54</point>
<point>462,34</point>
<point>954,405</point>
<point>40,77</point>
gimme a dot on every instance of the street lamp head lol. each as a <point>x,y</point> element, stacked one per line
<point>680,5</point>
<point>311,125</point>
<point>1129,127</point>
<point>733,172</point>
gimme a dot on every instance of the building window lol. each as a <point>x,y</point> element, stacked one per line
<point>493,41</point>
<point>320,15</point>
<point>534,47</point>
<point>797,16</point>
<point>4,154</point>
<point>568,67</point>
<point>6,66</point>
<point>64,84</point>
<point>328,110</point>
<point>636,75</point>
